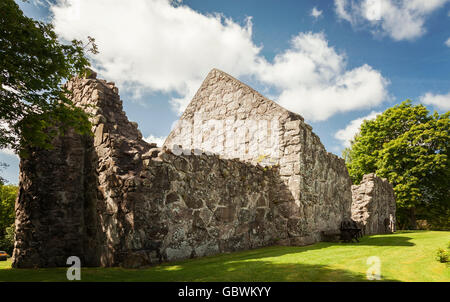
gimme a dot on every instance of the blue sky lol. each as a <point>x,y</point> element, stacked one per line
<point>348,60</point>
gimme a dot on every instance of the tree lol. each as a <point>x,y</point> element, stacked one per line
<point>8,196</point>
<point>409,147</point>
<point>33,65</point>
<point>7,242</point>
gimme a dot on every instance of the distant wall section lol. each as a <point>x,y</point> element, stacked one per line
<point>374,205</point>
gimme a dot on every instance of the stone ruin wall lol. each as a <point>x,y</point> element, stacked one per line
<point>229,118</point>
<point>374,205</point>
<point>55,211</point>
<point>114,199</point>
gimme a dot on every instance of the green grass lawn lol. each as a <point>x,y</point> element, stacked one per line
<point>405,256</point>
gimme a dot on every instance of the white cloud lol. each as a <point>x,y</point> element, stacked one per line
<point>447,42</point>
<point>347,134</point>
<point>400,19</point>
<point>341,11</point>
<point>156,45</point>
<point>314,81</point>
<point>151,45</point>
<point>158,140</point>
<point>316,13</point>
<point>441,101</point>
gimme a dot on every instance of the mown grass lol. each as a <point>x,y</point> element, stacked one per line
<point>405,256</point>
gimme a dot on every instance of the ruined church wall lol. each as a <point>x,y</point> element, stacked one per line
<point>115,199</point>
<point>55,210</point>
<point>155,206</point>
<point>229,118</point>
<point>205,205</point>
<point>119,200</point>
<point>318,180</point>
<point>374,205</point>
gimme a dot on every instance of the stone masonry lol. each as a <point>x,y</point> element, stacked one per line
<point>114,199</point>
<point>229,118</point>
<point>55,211</point>
<point>374,205</point>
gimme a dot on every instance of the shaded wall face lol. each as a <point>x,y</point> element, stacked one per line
<point>55,216</point>
<point>71,198</point>
<point>118,148</point>
<point>374,205</point>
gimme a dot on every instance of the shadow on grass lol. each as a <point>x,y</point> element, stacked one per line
<point>264,271</point>
<point>409,231</point>
<point>386,240</point>
<point>232,271</point>
<point>246,266</point>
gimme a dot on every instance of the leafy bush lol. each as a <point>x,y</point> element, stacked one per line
<point>8,194</point>
<point>7,242</point>
<point>442,255</point>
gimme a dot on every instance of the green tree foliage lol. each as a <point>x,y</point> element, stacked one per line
<point>409,147</point>
<point>7,241</point>
<point>33,65</point>
<point>8,196</point>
